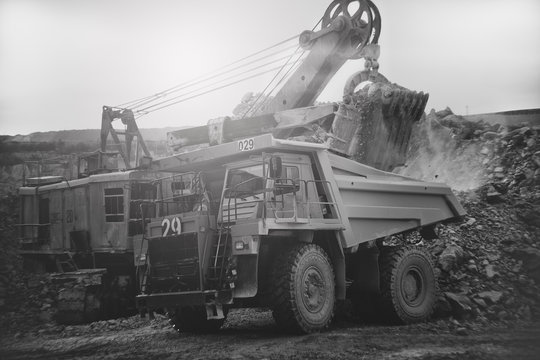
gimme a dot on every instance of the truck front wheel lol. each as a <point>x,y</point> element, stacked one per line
<point>408,285</point>
<point>303,295</point>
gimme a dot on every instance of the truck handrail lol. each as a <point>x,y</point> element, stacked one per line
<point>324,204</point>
<point>234,191</point>
<point>232,211</point>
<point>330,204</point>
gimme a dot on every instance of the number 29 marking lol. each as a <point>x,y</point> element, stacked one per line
<point>246,145</point>
<point>171,226</point>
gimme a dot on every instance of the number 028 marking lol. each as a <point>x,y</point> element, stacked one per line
<point>171,226</point>
<point>246,145</point>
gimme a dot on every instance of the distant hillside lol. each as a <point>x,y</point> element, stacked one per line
<point>39,146</point>
<point>87,135</point>
<point>513,118</point>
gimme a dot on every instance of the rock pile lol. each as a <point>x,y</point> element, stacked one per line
<point>487,265</point>
<point>468,154</point>
<point>9,259</point>
<point>490,262</point>
<point>30,304</point>
<point>26,300</point>
<point>447,148</point>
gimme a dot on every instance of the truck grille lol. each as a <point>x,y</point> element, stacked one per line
<point>174,263</point>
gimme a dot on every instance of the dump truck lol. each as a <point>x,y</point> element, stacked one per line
<point>288,206</point>
<point>294,209</point>
<point>288,225</point>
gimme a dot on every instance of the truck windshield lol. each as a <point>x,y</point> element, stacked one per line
<point>244,182</point>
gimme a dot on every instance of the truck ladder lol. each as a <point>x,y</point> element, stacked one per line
<point>144,278</point>
<point>220,250</point>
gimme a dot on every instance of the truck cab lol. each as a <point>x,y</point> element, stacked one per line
<point>220,219</point>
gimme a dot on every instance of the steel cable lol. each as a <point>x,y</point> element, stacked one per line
<point>135,104</point>
<point>144,112</point>
<point>163,94</point>
<point>207,76</point>
<point>252,108</point>
<point>212,84</point>
<point>267,96</point>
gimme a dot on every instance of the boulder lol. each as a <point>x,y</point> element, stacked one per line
<point>451,256</point>
<point>491,135</point>
<point>491,296</point>
<point>461,304</point>
<point>531,260</point>
<point>494,197</point>
<point>490,271</point>
<point>444,113</point>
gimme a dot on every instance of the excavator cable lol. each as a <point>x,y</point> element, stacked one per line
<point>153,100</point>
<point>211,74</point>
<point>255,106</point>
<point>210,85</point>
<point>291,69</point>
<point>136,106</point>
<point>144,112</point>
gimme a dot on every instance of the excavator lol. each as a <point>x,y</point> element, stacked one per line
<point>372,124</point>
<point>107,225</point>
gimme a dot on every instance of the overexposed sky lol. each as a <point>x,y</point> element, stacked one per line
<point>61,60</point>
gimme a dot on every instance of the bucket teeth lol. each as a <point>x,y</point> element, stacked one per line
<point>407,104</point>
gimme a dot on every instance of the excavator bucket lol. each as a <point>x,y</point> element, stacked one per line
<point>373,125</point>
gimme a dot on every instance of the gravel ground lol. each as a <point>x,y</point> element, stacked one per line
<point>251,334</point>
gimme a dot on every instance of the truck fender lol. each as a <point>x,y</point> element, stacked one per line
<point>246,281</point>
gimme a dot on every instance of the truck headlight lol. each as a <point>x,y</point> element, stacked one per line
<point>240,245</point>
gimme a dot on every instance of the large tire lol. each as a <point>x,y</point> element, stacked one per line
<point>408,285</point>
<point>303,295</point>
<point>193,319</point>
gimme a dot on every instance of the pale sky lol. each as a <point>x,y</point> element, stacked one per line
<point>61,60</point>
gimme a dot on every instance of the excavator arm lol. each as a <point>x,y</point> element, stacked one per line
<point>347,32</point>
<point>372,125</point>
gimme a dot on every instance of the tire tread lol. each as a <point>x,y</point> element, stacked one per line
<point>285,308</point>
<point>389,260</point>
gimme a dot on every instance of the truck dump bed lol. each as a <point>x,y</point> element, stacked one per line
<point>371,203</point>
<point>379,204</point>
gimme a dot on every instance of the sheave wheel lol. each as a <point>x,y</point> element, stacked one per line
<point>303,296</point>
<point>193,319</point>
<point>408,285</point>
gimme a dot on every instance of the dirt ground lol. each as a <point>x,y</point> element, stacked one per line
<point>252,334</point>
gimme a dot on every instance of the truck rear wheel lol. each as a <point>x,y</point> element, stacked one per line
<point>193,319</point>
<point>303,295</point>
<point>408,285</point>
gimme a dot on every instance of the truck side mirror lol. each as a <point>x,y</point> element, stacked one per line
<point>275,167</point>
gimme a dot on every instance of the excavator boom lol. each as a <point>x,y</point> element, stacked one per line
<point>343,36</point>
<point>372,125</point>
